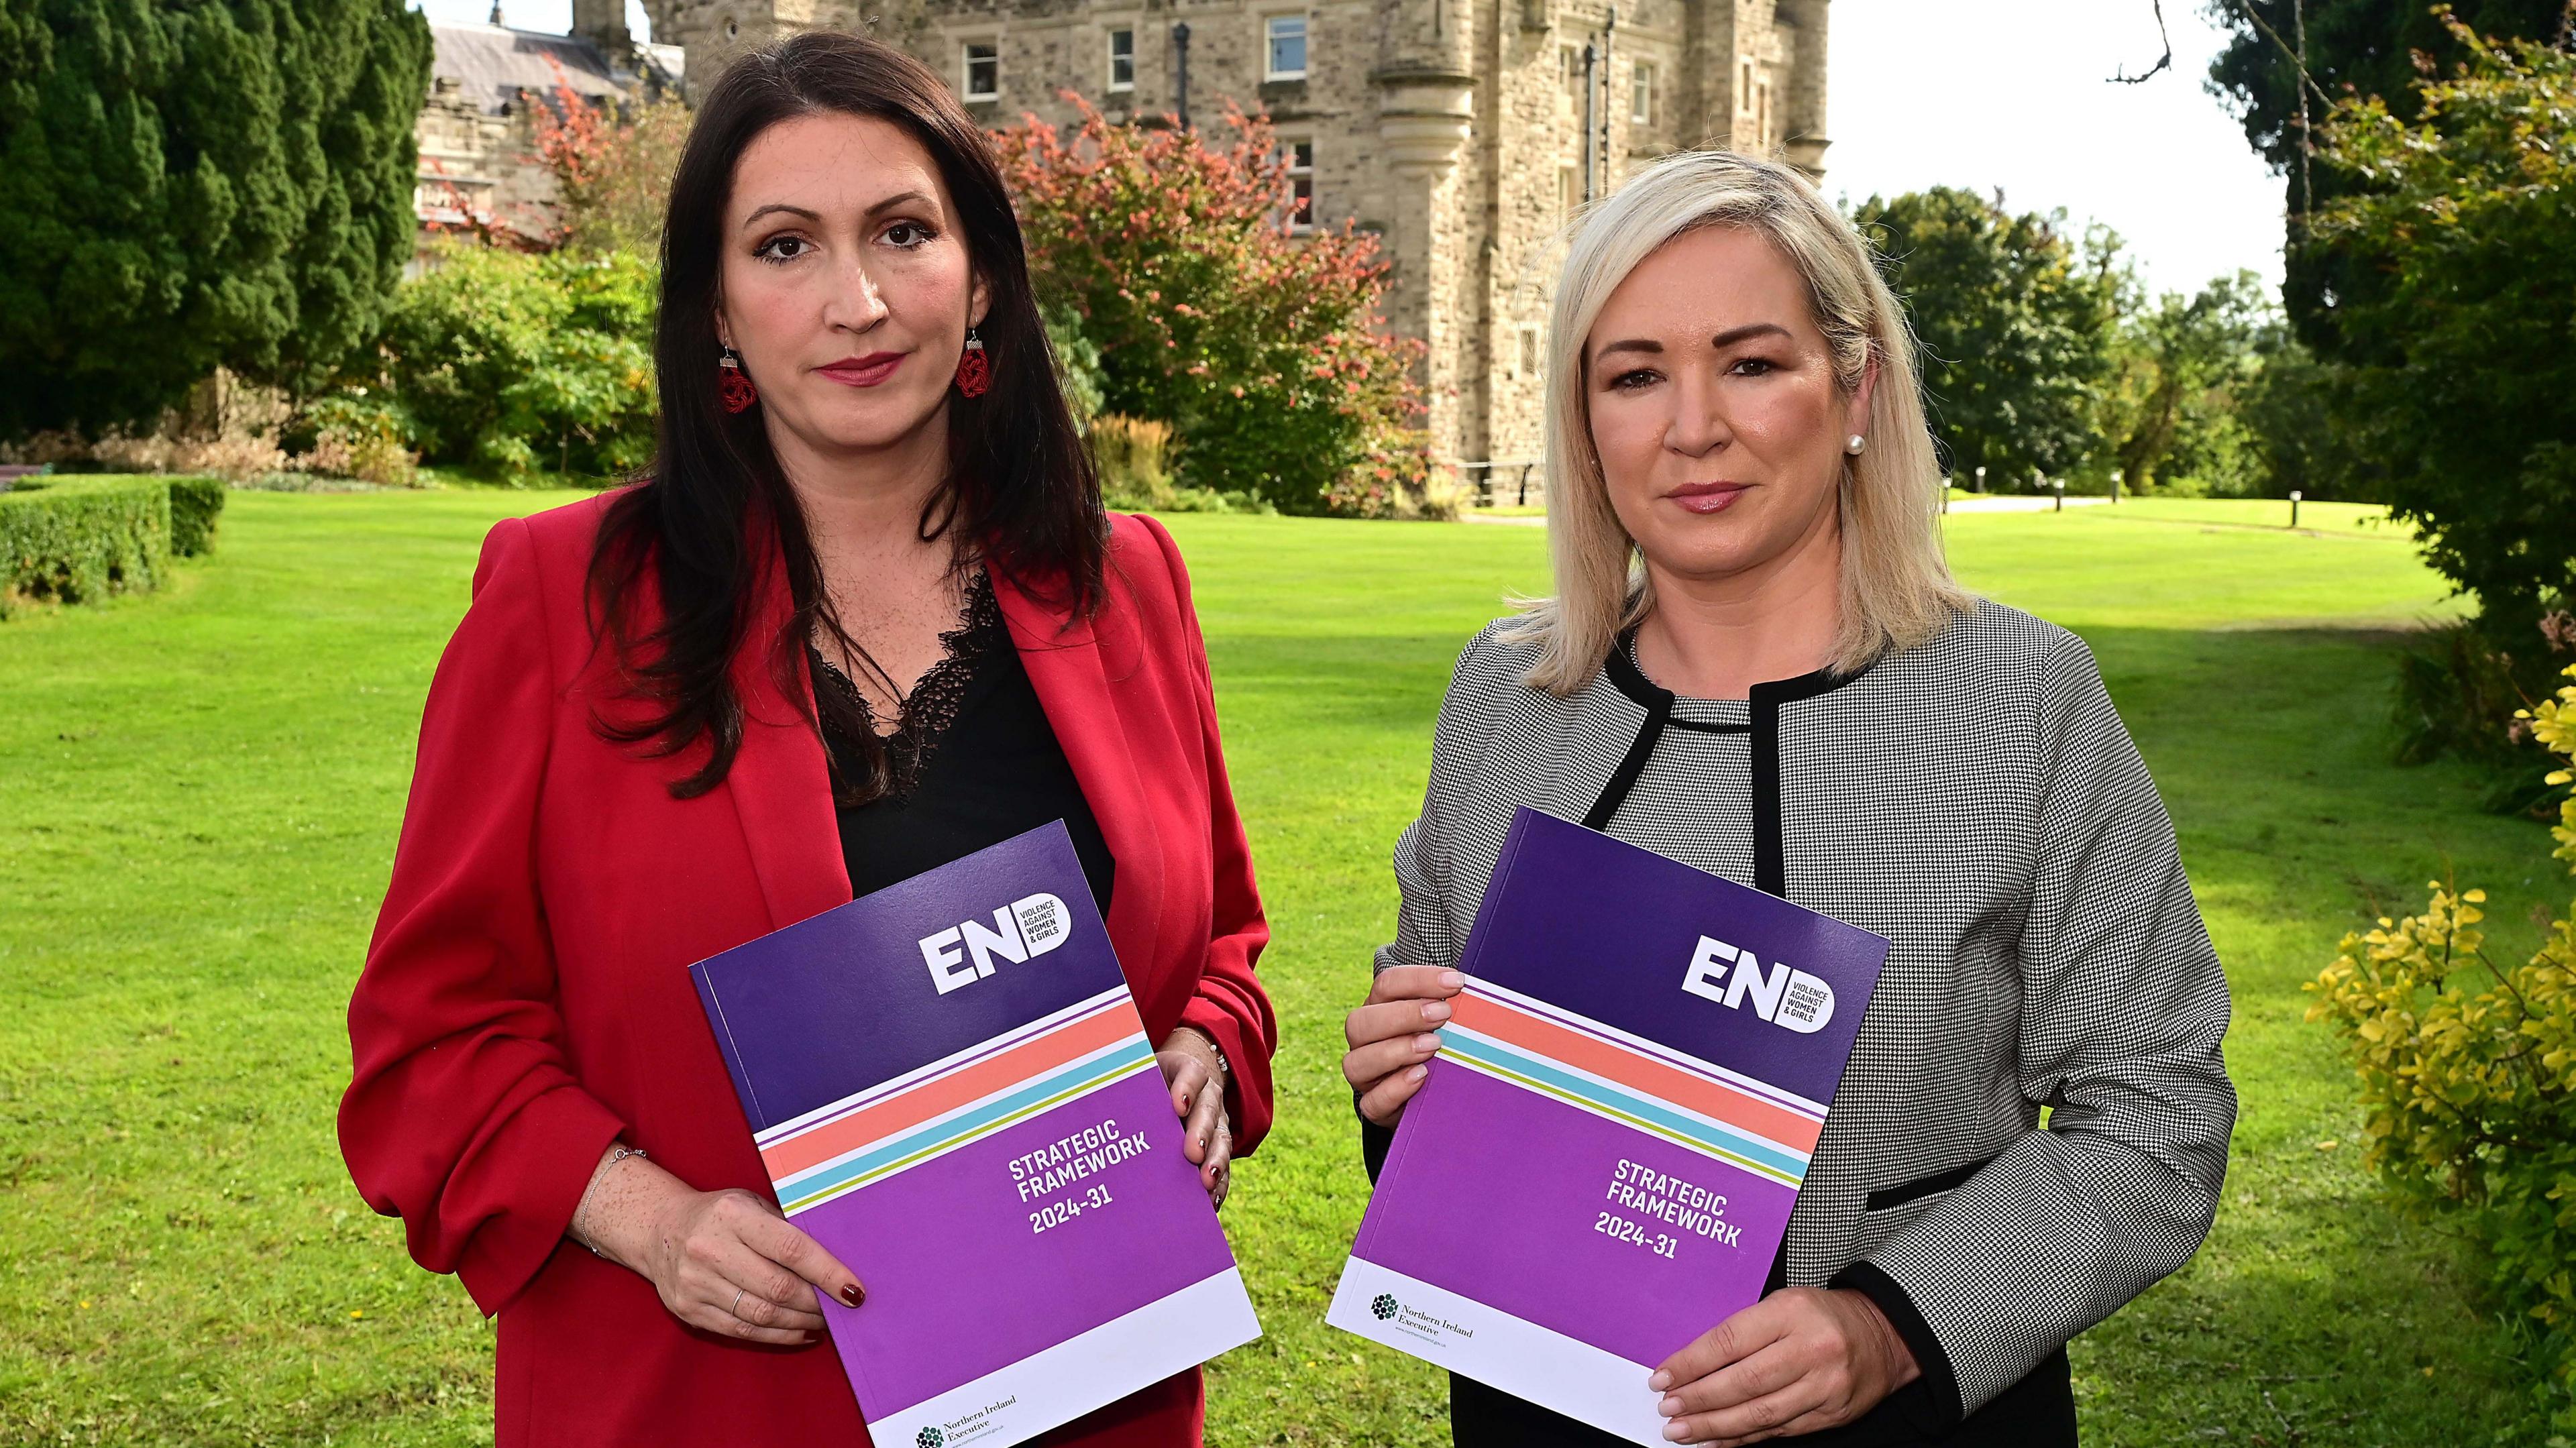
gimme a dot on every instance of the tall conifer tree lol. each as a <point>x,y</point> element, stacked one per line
<point>188,183</point>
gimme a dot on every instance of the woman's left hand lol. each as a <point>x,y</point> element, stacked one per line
<point>1195,1073</point>
<point>1801,1359</point>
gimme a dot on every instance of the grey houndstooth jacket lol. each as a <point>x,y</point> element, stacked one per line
<point>1977,801</point>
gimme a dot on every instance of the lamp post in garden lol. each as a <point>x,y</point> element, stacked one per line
<point>1981,480</point>
<point>2115,486</point>
<point>2060,485</point>
<point>2294,507</point>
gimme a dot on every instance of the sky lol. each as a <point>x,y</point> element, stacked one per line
<point>1988,93</point>
<point>2014,93</point>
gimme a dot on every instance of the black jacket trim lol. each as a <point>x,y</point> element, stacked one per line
<point>1770,855</point>
<point>1936,1408</point>
<point>1921,1187</point>
<point>1631,680</point>
<point>1659,709</point>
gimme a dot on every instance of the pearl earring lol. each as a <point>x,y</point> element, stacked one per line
<point>1854,443</point>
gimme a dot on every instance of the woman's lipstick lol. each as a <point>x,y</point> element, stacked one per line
<point>1707,497</point>
<point>865,371</point>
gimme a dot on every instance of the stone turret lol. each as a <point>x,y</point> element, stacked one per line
<point>1425,84</point>
<point>1803,140</point>
<point>1423,93</point>
<point>603,23</point>
<point>713,32</point>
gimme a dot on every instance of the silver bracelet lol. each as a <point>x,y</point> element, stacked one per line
<point>1224,1068</point>
<point>614,1157</point>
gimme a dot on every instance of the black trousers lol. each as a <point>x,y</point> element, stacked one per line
<point>2037,1412</point>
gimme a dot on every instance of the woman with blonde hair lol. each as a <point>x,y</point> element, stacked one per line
<point>1756,661</point>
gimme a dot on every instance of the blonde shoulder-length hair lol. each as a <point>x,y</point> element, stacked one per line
<point>1896,587</point>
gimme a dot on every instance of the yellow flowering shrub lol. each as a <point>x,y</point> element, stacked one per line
<point>2468,1072</point>
<point>2469,1075</point>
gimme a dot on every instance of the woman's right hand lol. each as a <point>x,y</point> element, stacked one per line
<point>725,1262</point>
<point>729,1263</point>
<point>1393,1036</point>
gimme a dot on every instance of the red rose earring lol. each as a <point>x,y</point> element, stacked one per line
<point>974,372</point>
<point>733,385</point>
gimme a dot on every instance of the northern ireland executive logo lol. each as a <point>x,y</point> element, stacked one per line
<point>1384,1307</point>
<point>929,1438</point>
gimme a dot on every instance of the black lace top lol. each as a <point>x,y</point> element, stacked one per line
<point>973,758</point>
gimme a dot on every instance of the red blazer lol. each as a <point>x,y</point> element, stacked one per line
<point>525,999</point>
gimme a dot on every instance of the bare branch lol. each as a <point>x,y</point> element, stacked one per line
<point>2163,63</point>
<point>2297,61</point>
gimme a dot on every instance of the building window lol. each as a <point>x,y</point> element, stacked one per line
<point>1287,48</point>
<point>1122,59</point>
<point>1569,72</point>
<point>1641,94</point>
<point>1744,86</point>
<point>983,60</point>
<point>1529,358</point>
<point>1568,191</point>
<point>1762,113</point>
<point>1301,185</point>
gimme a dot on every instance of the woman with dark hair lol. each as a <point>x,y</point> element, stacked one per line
<point>865,616</point>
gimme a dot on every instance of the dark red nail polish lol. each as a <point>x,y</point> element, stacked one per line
<point>852,1295</point>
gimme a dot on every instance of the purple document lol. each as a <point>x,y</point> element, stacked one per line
<point>952,1091</point>
<point>1601,1164</point>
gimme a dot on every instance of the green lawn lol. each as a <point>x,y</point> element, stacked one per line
<point>199,791</point>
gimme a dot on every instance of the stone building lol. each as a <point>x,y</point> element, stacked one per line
<point>1463,131</point>
<point>478,167</point>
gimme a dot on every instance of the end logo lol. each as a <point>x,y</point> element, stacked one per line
<point>1384,1307</point>
<point>1021,931</point>
<point>1790,999</point>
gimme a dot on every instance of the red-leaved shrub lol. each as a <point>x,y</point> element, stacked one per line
<point>1262,346</point>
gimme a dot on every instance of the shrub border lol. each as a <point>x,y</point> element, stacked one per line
<point>81,538</point>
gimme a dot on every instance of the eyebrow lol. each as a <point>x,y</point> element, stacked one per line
<point>1727,338</point>
<point>904,198</point>
<point>780,206</point>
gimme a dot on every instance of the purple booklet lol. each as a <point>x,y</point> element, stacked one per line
<point>1601,1164</point>
<point>952,1091</point>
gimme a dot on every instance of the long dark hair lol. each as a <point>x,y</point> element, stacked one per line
<point>705,523</point>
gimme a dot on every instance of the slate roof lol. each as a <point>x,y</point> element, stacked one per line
<point>491,64</point>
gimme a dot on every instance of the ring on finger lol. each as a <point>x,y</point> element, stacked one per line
<point>736,1309</point>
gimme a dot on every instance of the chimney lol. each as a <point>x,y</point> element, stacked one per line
<point>603,23</point>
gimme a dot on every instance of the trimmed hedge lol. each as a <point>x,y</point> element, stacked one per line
<point>77,539</point>
<point>80,542</point>
<point>195,505</point>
